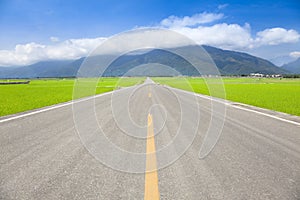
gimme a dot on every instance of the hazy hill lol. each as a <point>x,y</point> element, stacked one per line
<point>293,67</point>
<point>56,68</point>
<point>228,63</point>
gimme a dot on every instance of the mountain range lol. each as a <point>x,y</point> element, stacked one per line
<point>293,67</point>
<point>228,63</point>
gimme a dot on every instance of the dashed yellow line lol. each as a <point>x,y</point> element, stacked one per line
<point>151,177</point>
<point>149,92</point>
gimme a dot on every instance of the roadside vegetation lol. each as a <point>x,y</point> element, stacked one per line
<point>45,92</point>
<point>272,93</point>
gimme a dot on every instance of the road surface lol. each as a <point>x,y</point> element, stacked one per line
<point>56,154</point>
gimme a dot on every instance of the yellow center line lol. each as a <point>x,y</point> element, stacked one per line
<point>149,93</point>
<point>151,177</point>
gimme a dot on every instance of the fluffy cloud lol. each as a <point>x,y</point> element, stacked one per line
<point>200,18</point>
<point>275,36</point>
<point>295,54</point>
<point>229,36</point>
<point>25,54</point>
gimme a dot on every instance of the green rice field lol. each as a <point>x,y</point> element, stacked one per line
<point>276,94</point>
<point>272,93</point>
<point>45,92</point>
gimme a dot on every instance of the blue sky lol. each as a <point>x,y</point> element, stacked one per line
<point>34,21</point>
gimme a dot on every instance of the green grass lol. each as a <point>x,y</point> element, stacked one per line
<point>276,94</point>
<point>45,92</point>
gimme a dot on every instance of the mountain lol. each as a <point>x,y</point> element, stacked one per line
<point>294,66</point>
<point>237,63</point>
<point>124,64</point>
<point>281,60</point>
<point>228,63</point>
<point>55,68</point>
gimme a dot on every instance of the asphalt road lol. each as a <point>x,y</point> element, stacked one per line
<point>61,154</point>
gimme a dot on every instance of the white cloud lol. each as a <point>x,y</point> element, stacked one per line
<point>54,39</point>
<point>222,6</point>
<point>295,54</point>
<point>25,54</point>
<point>275,36</point>
<point>200,18</point>
<point>229,36</point>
